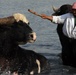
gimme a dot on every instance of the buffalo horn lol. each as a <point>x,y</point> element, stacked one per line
<point>55,9</point>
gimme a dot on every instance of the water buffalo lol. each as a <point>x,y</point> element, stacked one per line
<point>15,30</point>
<point>68,44</point>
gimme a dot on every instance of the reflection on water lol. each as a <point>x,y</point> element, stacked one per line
<point>56,66</point>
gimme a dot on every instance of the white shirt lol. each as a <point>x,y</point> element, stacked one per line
<point>69,28</point>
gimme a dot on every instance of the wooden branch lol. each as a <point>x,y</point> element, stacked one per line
<point>34,13</point>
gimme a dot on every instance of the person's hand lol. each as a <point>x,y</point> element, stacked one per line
<point>46,17</point>
<point>43,16</point>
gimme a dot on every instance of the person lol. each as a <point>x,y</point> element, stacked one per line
<point>68,19</point>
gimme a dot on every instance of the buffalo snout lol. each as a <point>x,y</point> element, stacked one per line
<point>32,37</point>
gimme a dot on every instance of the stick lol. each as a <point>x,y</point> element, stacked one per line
<point>34,13</point>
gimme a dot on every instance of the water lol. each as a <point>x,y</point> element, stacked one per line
<point>47,42</point>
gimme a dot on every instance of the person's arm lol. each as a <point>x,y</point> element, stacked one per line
<point>47,17</point>
<point>54,19</point>
<point>41,15</point>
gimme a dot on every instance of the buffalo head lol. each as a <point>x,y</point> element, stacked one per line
<point>21,32</point>
<point>17,29</point>
<point>62,10</point>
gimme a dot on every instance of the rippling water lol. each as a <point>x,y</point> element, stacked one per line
<point>47,42</point>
